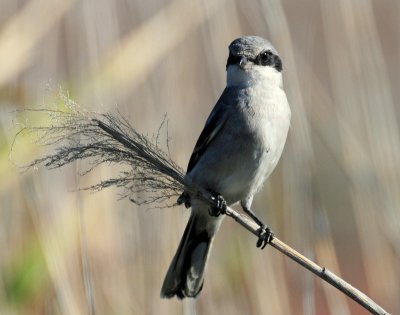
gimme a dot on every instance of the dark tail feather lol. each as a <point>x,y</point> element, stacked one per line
<point>185,275</point>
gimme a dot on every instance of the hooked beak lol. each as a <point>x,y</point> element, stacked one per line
<point>243,63</point>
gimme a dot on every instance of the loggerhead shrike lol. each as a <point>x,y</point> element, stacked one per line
<point>237,150</point>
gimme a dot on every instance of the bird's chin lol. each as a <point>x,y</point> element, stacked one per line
<point>245,68</point>
<point>239,76</point>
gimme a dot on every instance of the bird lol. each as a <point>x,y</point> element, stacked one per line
<point>239,147</point>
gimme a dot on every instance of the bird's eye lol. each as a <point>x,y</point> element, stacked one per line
<point>265,57</point>
<point>268,58</point>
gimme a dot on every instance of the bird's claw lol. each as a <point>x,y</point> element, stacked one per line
<point>184,198</point>
<point>219,206</point>
<point>265,236</point>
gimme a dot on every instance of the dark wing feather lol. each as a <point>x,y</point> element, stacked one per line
<point>213,126</point>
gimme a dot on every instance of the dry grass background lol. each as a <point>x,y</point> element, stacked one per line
<point>335,195</point>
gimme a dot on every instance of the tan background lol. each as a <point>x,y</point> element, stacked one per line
<point>335,195</point>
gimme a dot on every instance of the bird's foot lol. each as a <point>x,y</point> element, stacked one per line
<point>265,236</point>
<point>219,206</point>
<point>184,198</point>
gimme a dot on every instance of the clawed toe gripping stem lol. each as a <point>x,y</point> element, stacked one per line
<point>184,198</point>
<point>219,206</point>
<point>265,236</point>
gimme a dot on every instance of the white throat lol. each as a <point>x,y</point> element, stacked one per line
<point>237,77</point>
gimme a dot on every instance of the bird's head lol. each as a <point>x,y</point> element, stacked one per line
<point>253,60</point>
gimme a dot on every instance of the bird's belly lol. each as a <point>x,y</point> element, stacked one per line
<point>237,169</point>
<point>252,168</point>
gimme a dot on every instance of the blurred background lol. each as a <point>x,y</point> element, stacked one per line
<point>335,195</point>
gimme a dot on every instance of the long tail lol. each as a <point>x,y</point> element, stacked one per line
<point>185,275</point>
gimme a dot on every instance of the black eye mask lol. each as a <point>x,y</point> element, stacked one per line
<point>265,58</point>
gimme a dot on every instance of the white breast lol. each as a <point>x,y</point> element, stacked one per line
<point>268,115</point>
